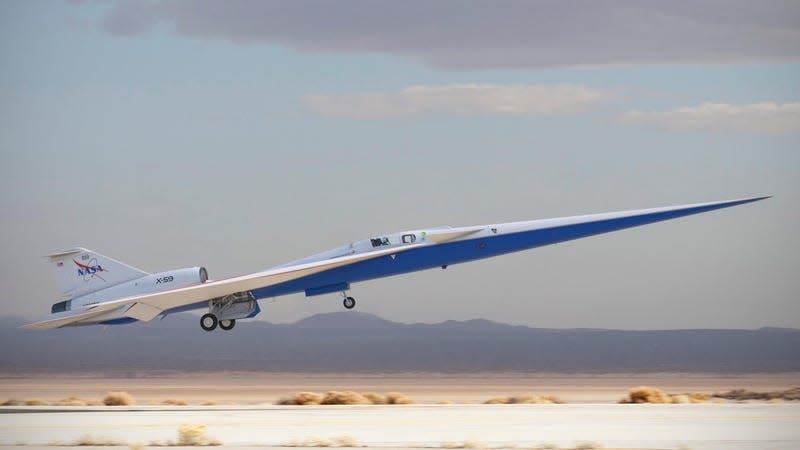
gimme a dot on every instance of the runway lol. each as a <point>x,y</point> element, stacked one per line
<point>694,426</point>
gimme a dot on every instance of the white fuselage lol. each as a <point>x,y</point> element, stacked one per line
<point>148,284</point>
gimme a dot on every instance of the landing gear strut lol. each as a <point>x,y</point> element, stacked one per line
<point>224,311</point>
<point>209,321</point>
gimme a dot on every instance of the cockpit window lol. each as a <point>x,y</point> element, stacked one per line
<point>379,242</point>
<point>409,238</point>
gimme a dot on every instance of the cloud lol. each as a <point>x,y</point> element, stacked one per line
<point>722,117</point>
<point>488,34</point>
<point>131,18</point>
<point>459,99</point>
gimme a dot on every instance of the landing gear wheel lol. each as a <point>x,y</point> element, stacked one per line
<point>228,324</point>
<point>349,302</point>
<point>208,322</point>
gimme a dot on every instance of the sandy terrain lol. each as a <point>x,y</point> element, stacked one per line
<point>246,415</point>
<point>248,388</point>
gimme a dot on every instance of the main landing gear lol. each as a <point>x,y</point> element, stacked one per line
<point>209,322</point>
<point>224,311</point>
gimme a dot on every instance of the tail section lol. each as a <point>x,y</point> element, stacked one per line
<point>80,271</point>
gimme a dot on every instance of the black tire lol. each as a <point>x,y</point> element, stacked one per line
<point>208,322</point>
<point>349,302</point>
<point>227,324</point>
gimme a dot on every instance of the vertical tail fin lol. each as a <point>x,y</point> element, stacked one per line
<point>80,271</point>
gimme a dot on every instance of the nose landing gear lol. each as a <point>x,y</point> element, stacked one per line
<point>348,302</point>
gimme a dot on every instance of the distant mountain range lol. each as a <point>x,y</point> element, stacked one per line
<point>358,342</point>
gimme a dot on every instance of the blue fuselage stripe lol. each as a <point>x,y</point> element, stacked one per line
<point>449,253</point>
<point>467,250</point>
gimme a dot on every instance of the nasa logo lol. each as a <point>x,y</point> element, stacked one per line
<point>89,271</point>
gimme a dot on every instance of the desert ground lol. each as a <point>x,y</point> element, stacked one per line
<point>253,388</point>
<point>244,414</point>
<point>583,426</point>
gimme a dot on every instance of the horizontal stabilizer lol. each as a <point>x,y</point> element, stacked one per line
<point>69,319</point>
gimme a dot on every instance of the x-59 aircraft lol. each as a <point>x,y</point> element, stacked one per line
<point>99,290</point>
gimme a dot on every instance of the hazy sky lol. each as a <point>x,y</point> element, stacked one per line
<point>239,135</point>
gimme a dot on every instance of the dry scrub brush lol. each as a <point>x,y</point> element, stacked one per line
<point>375,399</point>
<point>647,394</point>
<point>118,398</point>
<point>744,394</point>
<point>346,398</point>
<point>691,397</point>
<point>338,441</point>
<point>587,446</point>
<point>524,400</point>
<point>90,441</point>
<point>189,436</point>
<point>302,398</point>
<point>194,435</point>
<point>466,444</point>
<point>111,399</point>
<point>69,401</point>
<point>76,401</point>
<point>398,398</point>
